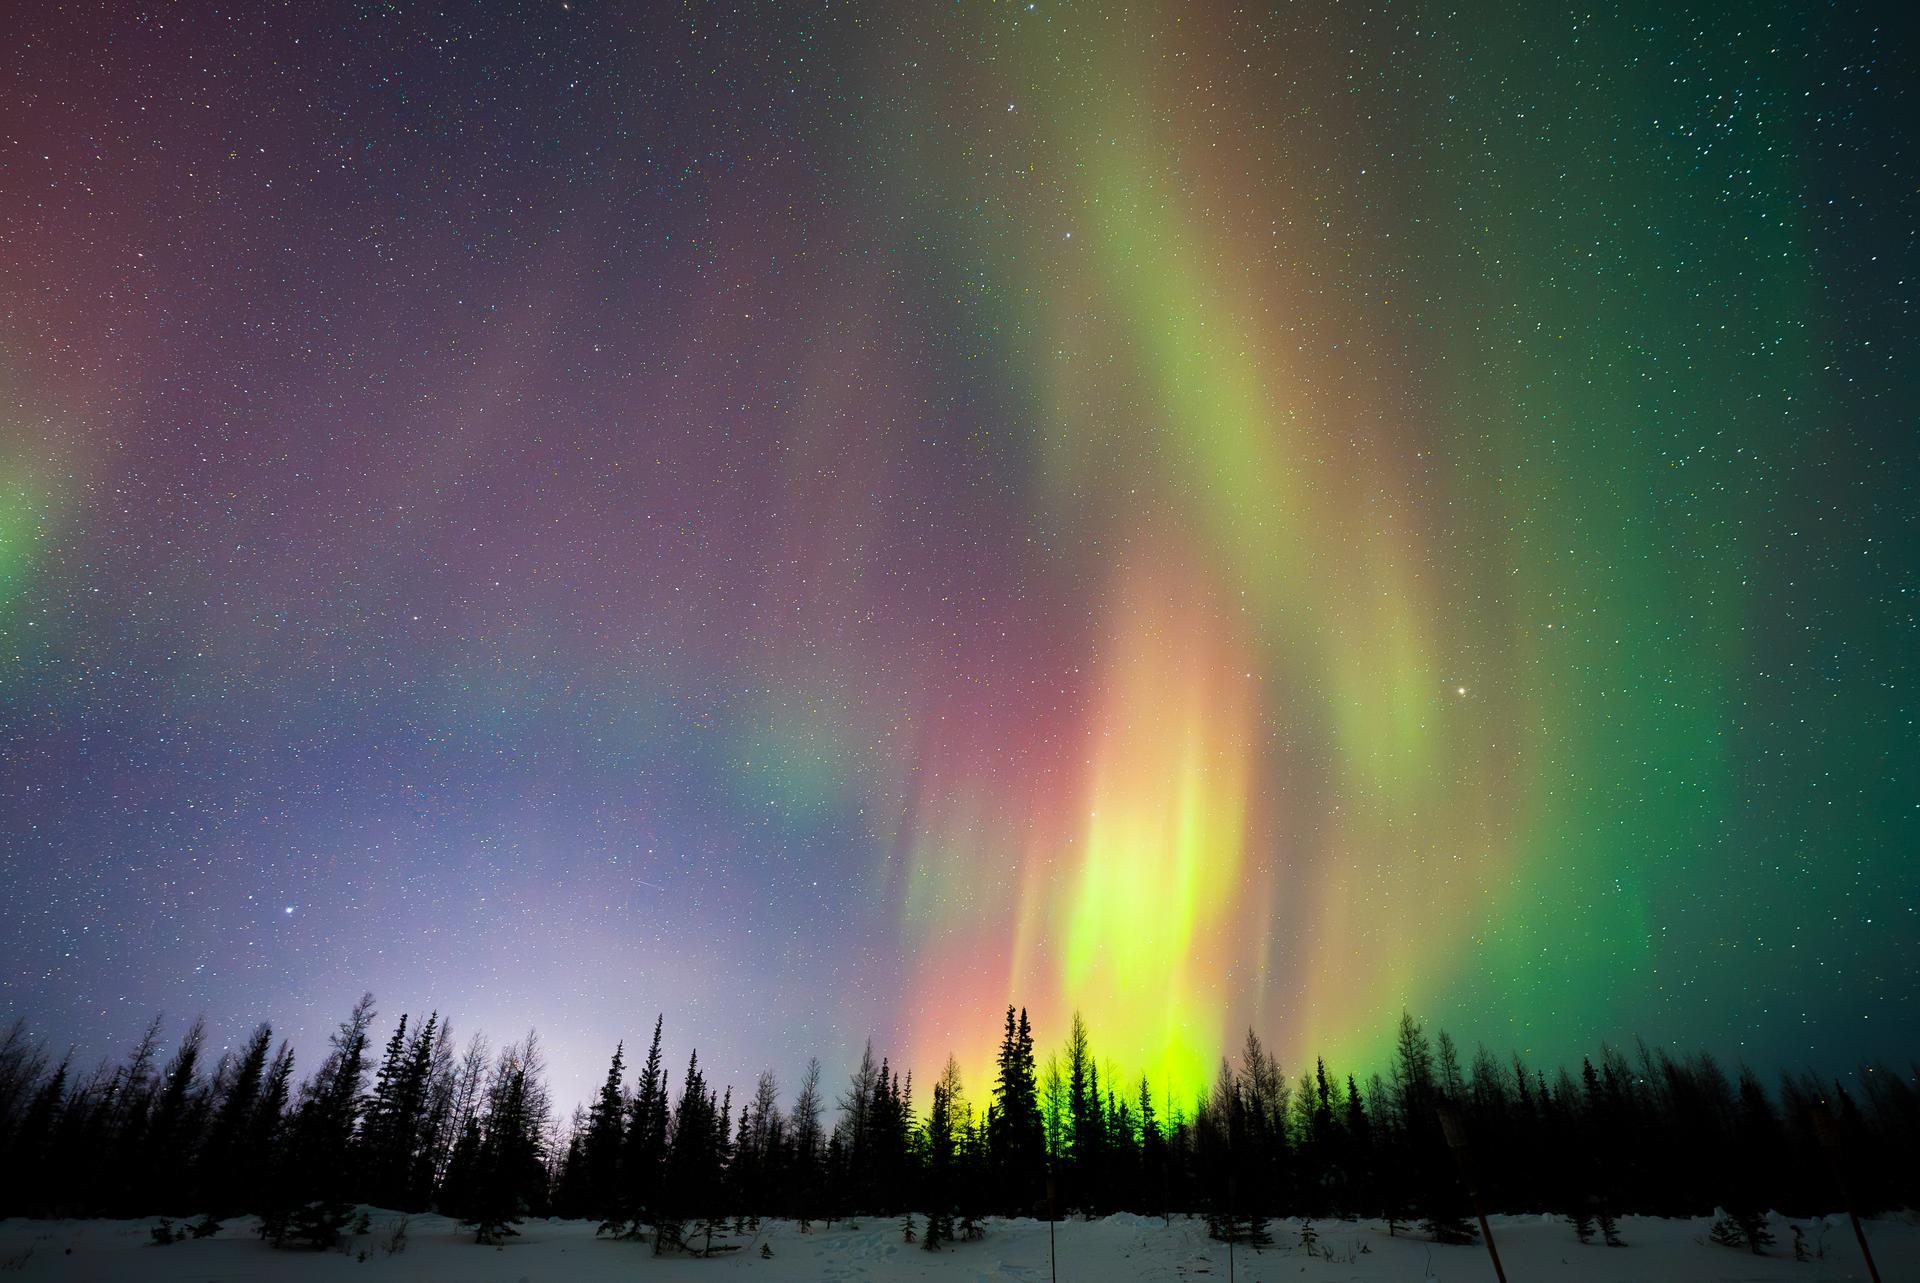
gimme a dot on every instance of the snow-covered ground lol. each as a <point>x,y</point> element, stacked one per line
<point>1115,1249</point>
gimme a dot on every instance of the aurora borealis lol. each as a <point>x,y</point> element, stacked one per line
<point>831,519</point>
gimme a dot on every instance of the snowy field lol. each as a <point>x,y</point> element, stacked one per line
<point>1118,1248</point>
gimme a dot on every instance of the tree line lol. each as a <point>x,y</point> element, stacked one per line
<point>422,1122</point>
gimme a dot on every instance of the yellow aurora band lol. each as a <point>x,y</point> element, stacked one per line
<point>1255,573</point>
<point>1153,908</point>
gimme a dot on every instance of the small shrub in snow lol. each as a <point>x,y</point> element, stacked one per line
<point>1236,1227</point>
<point>1742,1229</point>
<point>709,1226</point>
<point>312,1226</point>
<point>165,1233</point>
<point>669,1235</point>
<point>1351,1256</point>
<point>1449,1227</point>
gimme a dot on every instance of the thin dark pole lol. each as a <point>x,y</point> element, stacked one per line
<point>1233,1226</point>
<point>1457,1142</point>
<point>1053,1268</point>
<point>1829,1134</point>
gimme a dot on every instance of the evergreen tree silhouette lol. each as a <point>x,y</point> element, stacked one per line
<point>941,1159</point>
<point>695,1160</point>
<point>1654,1134</point>
<point>28,1151</point>
<point>804,1178</point>
<point>508,1179</point>
<point>174,1127</point>
<point>127,1115</point>
<point>1356,1187</point>
<point>644,1152</point>
<point>1015,1133</point>
<point>394,1120</point>
<point>599,1147</point>
<point>319,1173</point>
<point>1083,1118</point>
<point>225,1179</point>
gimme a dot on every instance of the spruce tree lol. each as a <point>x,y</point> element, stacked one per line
<point>1016,1136</point>
<point>508,1177</point>
<point>599,1146</point>
<point>568,1197</point>
<point>460,1190</point>
<point>758,1153</point>
<point>803,1179</point>
<point>1359,1175</point>
<point>1082,1123</point>
<point>173,1128</point>
<point>27,1157</point>
<point>693,1162</point>
<point>224,1177</point>
<point>644,1151</point>
<point>319,1170</point>
<point>416,1121</point>
<point>434,1069</point>
<point>260,1172</point>
<point>1154,1174</point>
<point>128,1112</point>
<point>941,1158</point>
<point>381,1140</point>
<point>855,1130</point>
<point>1448,1080</point>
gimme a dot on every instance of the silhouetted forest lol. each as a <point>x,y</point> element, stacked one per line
<point>423,1121</point>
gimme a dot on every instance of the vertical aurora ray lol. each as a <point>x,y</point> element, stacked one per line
<point>40,473</point>
<point>20,508</point>
<point>1155,909</point>
<point>1172,410</point>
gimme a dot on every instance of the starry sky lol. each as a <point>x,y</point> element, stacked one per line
<point>825,519</point>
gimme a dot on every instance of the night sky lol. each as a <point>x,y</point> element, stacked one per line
<point>826,519</point>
